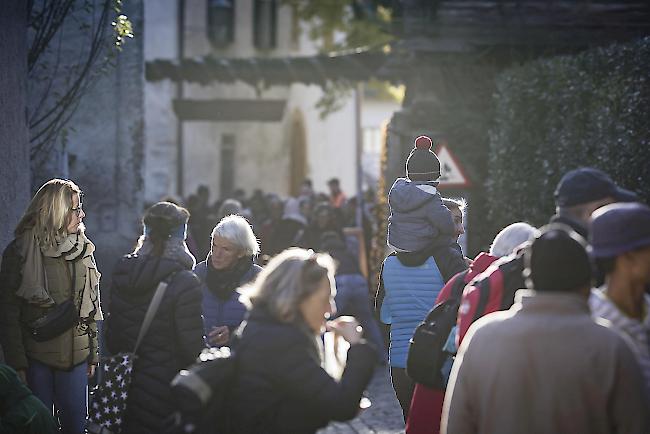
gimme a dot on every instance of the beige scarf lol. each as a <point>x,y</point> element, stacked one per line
<point>74,247</point>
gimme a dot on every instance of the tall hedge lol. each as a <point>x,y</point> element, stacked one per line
<point>556,114</point>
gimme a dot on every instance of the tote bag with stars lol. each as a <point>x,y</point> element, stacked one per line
<point>109,398</point>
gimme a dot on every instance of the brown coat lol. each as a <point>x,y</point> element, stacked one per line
<point>63,352</point>
<point>544,366</point>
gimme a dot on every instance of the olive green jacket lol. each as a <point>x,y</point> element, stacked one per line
<point>75,346</point>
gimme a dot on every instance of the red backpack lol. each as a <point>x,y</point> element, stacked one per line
<point>491,291</point>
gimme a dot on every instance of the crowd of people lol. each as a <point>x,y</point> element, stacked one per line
<point>549,328</point>
<point>280,222</point>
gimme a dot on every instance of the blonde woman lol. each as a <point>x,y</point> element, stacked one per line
<point>280,386</point>
<point>49,302</point>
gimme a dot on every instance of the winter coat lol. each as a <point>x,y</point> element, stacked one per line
<point>418,219</point>
<point>20,411</point>
<point>426,405</point>
<point>173,341</point>
<point>77,345</point>
<point>280,386</point>
<point>218,311</point>
<point>544,366</point>
<point>411,291</point>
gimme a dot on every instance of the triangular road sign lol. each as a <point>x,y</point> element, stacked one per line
<point>452,174</point>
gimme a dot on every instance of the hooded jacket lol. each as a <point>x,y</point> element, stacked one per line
<point>173,341</point>
<point>418,219</point>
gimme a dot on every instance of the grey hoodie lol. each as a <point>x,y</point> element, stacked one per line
<point>418,219</point>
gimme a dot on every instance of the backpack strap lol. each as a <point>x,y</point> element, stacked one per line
<point>493,283</point>
<point>154,304</point>
<point>458,285</point>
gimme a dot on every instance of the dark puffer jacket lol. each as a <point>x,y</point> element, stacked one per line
<point>173,341</point>
<point>280,386</point>
<point>223,311</point>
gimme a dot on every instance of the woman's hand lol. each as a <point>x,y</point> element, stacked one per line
<point>91,370</point>
<point>219,335</point>
<point>348,327</point>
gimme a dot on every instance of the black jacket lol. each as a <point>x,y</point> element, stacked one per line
<point>280,386</point>
<point>173,341</point>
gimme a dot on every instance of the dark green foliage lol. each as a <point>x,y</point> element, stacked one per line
<point>553,115</point>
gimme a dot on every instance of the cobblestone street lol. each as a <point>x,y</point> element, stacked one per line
<point>383,417</point>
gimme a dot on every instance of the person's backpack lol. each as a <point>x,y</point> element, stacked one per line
<point>426,355</point>
<point>491,292</point>
<point>109,399</point>
<point>201,393</point>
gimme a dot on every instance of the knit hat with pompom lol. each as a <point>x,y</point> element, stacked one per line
<point>422,164</point>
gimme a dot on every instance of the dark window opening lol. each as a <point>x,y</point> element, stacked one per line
<point>221,22</point>
<point>227,164</point>
<point>265,24</point>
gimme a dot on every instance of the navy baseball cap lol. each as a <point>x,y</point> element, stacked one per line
<point>587,184</point>
<point>618,228</point>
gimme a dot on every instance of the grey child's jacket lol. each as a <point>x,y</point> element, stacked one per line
<point>418,219</point>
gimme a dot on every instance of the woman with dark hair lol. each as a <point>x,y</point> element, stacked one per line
<point>49,302</point>
<point>175,336</point>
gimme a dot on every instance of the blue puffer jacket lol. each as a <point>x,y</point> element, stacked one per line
<point>220,312</point>
<point>411,292</point>
<point>418,219</point>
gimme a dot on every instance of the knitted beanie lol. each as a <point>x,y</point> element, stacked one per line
<point>422,164</point>
<point>557,260</point>
<point>164,220</point>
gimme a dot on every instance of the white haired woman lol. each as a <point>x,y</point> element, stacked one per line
<point>49,302</point>
<point>280,386</point>
<point>229,265</point>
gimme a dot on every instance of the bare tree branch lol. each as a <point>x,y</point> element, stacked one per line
<point>61,91</point>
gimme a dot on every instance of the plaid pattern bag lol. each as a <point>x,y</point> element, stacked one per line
<point>109,398</point>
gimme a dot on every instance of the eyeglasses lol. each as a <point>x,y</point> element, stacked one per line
<point>77,210</point>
